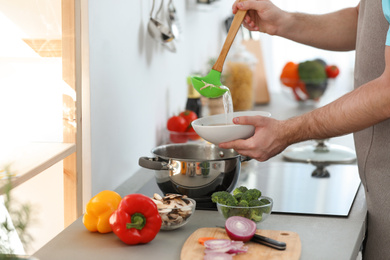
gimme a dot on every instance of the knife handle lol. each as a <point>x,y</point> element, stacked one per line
<point>269,242</point>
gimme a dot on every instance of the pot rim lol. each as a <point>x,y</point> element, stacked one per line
<point>212,146</point>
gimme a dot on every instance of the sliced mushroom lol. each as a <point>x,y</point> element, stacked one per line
<point>173,208</point>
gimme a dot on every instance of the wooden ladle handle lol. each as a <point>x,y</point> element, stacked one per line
<point>234,27</point>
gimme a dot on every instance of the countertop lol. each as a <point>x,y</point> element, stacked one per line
<point>322,237</point>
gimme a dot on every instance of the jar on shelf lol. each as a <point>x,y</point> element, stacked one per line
<point>239,77</point>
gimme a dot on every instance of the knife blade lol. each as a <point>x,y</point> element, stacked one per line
<point>267,241</point>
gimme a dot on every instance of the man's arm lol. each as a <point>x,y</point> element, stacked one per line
<point>365,106</point>
<point>332,31</point>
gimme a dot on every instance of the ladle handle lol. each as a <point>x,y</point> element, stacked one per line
<point>234,27</point>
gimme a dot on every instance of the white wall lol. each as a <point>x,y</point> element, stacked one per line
<point>136,84</point>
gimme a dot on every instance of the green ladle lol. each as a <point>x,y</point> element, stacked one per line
<point>210,86</point>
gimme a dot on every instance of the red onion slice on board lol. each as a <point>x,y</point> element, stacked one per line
<point>217,243</point>
<point>221,247</point>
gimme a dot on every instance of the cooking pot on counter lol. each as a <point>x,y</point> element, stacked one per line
<point>195,170</point>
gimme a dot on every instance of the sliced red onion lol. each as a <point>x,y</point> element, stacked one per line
<point>237,250</point>
<point>237,247</point>
<point>217,243</point>
<point>237,243</point>
<point>218,256</point>
<point>240,228</point>
<point>219,250</point>
<point>225,246</point>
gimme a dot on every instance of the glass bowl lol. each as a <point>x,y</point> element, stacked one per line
<point>258,214</point>
<point>305,91</point>
<point>176,214</point>
<point>182,137</point>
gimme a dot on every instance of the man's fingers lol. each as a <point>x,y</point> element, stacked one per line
<point>247,5</point>
<point>235,145</point>
<point>249,120</point>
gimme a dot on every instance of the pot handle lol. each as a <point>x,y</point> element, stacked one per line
<point>152,163</point>
<point>245,158</point>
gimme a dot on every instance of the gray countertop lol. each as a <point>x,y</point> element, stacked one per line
<point>322,237</point>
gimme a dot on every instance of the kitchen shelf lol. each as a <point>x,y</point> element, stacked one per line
<point>33,158</point>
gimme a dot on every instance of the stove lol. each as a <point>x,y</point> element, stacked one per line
<point>296,189</point>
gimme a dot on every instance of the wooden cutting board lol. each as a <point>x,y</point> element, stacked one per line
<point>193,250</point>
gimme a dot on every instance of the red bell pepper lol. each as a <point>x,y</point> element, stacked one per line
<point>136,221</point>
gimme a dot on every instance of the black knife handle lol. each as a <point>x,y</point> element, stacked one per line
<point>269,242</point>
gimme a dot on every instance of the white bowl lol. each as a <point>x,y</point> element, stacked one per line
<point>215,130</point>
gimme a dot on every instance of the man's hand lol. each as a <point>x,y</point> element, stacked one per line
<point>332,31</point>
<point>269,139</point>
<point>262,15</point>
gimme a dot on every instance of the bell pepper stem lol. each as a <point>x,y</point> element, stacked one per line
<point>138,221</point>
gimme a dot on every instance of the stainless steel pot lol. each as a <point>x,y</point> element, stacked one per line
<point>195,170</point>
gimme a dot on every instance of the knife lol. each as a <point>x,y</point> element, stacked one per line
<point>266,241</point>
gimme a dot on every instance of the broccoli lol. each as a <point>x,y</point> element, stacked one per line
<point>265,201</point>
<point>266,210</point>
<point>241,189</point>
<point>251,194</point>
<point>321,61</point>
<point>256,214</point>
<point>224,198</point>
<point>238,196</point>
<point>243,203</point>
<point>312,72</point>
<point>243,211</point>
<point>255,203</point>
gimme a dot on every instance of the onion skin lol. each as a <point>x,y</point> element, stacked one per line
<point>240,228</point>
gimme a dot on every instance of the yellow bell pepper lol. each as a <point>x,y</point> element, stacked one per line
<point>99,209</point>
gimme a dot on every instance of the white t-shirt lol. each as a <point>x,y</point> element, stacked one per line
<point>386,12</point>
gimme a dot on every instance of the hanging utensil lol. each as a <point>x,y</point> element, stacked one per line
<point>210,86</point>
<point>161,17</point>
<point>172,19</point>
<point>158,30</point>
